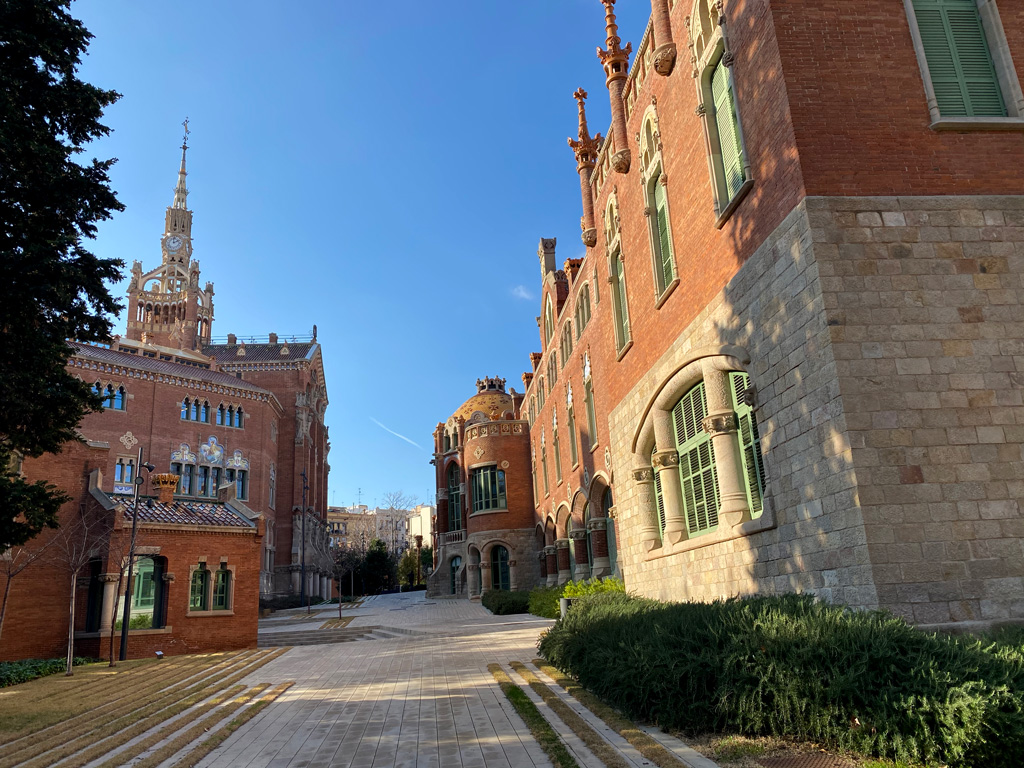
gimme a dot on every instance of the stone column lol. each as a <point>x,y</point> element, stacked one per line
<point>602,565</point>
<point>325,588</point>
<point>485,576</point>
<point>666,463</point>
<point>665,52</point>
<point>513,576</point>
<point>296,582</point>
<point>562,553</point>
<point>109,605</point>
<point>643,479</point>
<point>471,581</point>
<point>721,424</point>
<point>543,565</point>
<point>551,561</point>
<point>585,149</point>
<point>615,61</point>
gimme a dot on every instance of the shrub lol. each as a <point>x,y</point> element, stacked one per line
<point>594,586</point>
<point>14,672</point>
<point>502,602</point>
<point>544,602</point>
<point>281,602</point>
<point>142,621</point>
<point>791,667</point>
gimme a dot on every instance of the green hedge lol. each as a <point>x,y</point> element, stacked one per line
<point>576,589</point>
<point>14,672</point>
<point>792,667</point>
<point>544,602</point>
<point>502,602</point>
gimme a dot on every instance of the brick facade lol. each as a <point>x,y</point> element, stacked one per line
<point>865,277</point>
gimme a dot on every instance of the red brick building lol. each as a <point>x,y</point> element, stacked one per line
<point>241,423</point>
<point>791,359</point>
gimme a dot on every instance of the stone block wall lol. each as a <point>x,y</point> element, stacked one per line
<point>925,309</point>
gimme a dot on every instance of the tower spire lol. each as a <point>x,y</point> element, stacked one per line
<point>585,149</point>
<point>615,62</point>
<point>181,191</point>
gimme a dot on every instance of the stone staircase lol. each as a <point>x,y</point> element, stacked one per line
<point>331,636</point>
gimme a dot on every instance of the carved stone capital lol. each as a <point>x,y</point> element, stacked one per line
<point>589,237</point>
<point>562,544</point>
<point>643,475</point>
<point>665,59</point>
<point>665,460</point>
<point>551,550</point>
<point>621,161</point>
<point>719,423</point>
<point>472,567</point>
<point>578,534</point>
<point>597,524</point>
<point>168,578</point>
<point>109,578</point>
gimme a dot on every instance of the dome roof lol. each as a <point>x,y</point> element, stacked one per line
<point>491,404</point>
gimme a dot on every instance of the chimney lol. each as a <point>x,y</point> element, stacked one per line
<point>166,484</point>
<point>546,253</point>
<point>232,339</point>
<point>273,338</point>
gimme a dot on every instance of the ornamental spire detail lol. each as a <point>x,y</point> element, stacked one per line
<point>585,148</point>
<point>181,191</point>
<point>615,60</point>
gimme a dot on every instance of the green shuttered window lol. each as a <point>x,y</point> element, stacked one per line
<point>697,474</point>
<point>750,444</point>
<point>664,240</point>
<point>959,60</point>
<point>728,129</point>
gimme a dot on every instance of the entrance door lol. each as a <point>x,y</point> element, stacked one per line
<point>456,564</point>
<point>499,568</point>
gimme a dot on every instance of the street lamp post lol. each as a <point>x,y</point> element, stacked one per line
<point>302,567</point>
<point>419,546</point>
<point>126,614</point>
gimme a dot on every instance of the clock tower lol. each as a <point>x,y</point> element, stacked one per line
<point>166,308</point>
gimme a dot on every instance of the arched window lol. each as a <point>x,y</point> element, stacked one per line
<point>549,322</point>
<point>186,408</point>
<point>119,399</point>
<point>555,446</point>
<point>656,202</point>
<point>570,425</point>
<point>454,499</point>
<point>239,418</point>
<point>620,308</point>
<point>566,346</point>
<point>730,169</point>
<point>231,416</point>
<point>203,482</point>
<point>147,604</point>
<point>540,394</point>
<point>195,410</point>
<point>204,412</point>
<point>447,443</point>
<point>544,462</point>
<point>500,578</point>
<point>582,309</point>
<point>588,401</point>
<point>199,590</point>
<point>220,415</point>
<point>553,368</point>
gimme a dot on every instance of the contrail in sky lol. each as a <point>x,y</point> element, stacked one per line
<point>401,437</point>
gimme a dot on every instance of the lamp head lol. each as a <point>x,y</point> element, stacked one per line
<point>148,467</point>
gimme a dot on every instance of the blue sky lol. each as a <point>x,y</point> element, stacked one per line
<point>383,170</point>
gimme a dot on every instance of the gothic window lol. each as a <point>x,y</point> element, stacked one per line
<point>186,483</point>
<point>566,345</point>
<point>194,413</point>
<point>620,308</point>
<point>540,395</point>
<point>570,425</point>
<point>215,480</point>
<point>549,322</point>
<point>544,462</point>
<point>552,368</point>
<point>272,496</point>
<point>231,416</point>
<point>555,447</point>
<point>204,412</point>
<point>656,205</point>
<point>242,484</point>
<point>533,411</point>
<point>186,408</point>
<point>447,443</point>
<point>222,589</point>
<point>588,402</point>
<point>199,589</point>
<point>220,415</point>
<point>488,489</point>
<point>582,309</point>
<point>964,60</point>
<point>239,418</point>
<point>730,168</point>
<point>454,499</point>
<point>124,470</point>
<point>203,481</point>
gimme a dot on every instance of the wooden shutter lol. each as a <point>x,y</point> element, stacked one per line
<point>750,444</point>
<point>697,473</point>
<point>728,130</point>
<point>665,240</point>
<point>959,61</point>
<point>661,502</point>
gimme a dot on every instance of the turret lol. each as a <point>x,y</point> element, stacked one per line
<point>585,148</point>
<point>615,60</point>
<point>665,47</point>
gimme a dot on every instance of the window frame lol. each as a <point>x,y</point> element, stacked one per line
<point>1002,61</point>
<point>483,500</point>
<point>654,179</point>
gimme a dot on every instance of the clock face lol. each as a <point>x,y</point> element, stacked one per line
<point>173,243</point>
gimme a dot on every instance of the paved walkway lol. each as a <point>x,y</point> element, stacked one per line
<point>423,698</point>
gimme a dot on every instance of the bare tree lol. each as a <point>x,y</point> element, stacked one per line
<point>13,562</point>
<point>399,500</point>
<point>80,539</point>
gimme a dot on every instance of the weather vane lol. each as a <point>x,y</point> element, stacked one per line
<point>185,123</point>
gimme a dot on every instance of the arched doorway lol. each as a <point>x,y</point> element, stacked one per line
<point>500,577</point>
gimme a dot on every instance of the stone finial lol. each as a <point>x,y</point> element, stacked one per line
<point>546,253</point>
<point>586,149</point>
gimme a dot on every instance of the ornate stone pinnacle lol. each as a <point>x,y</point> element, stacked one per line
<point>611,28</point>
<point>581,102</point>
<point>586,147</point>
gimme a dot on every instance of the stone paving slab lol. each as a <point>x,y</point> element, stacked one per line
<point>412,701</point>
